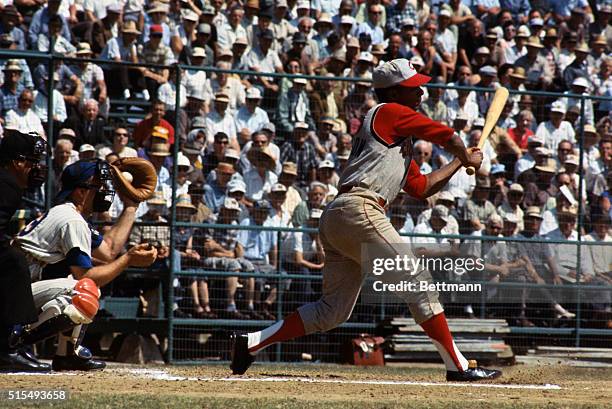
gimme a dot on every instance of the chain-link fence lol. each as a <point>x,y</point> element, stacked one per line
<point>550,290</point>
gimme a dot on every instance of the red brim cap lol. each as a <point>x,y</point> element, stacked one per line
<point>416,80</point>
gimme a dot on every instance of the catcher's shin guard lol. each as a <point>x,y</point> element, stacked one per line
<point>65,312</point>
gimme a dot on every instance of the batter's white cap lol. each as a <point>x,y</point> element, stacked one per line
<point>398,72</point>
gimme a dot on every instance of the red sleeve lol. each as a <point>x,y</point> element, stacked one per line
<point>416,182</point>
<point>393,122</point>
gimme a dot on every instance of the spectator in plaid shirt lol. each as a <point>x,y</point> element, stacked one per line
<point>158,236</point>
<point>301,152</point>
<point>11,89</point>
<point>397,13</point>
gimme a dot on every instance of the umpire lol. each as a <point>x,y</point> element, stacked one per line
<point>20,157</point>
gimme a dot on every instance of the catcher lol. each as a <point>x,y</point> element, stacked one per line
<point>75,259</point>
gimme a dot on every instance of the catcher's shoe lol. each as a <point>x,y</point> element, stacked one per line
<point>241,358</point>
<point>15,362</point>
<point>77,362</point>
<point>472,374</point>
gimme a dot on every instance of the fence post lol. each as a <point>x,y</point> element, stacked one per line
<point>170,301</point>
<point>279,286</point>
<point>580,220</point>
<point>49,189</point>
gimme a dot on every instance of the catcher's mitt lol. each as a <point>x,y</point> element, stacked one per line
<point>134,178</point>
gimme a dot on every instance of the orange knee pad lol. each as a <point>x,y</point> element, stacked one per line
<point>86,297</point>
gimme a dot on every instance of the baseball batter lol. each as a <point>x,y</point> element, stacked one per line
<point>379,167</point>
<point>61,244</point>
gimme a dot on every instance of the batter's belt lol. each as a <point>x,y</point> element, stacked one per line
<point>348,189</point>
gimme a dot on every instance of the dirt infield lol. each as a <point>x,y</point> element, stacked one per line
<point>314,386</point>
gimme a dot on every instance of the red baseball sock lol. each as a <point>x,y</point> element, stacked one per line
<point>291,327</point>
<point>437,329</point>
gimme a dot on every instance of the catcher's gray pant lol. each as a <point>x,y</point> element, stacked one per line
<point>349,221</point>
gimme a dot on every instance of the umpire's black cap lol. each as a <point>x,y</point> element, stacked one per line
<point>18,145</point>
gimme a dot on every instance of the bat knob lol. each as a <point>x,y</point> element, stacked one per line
<point>470,170</point>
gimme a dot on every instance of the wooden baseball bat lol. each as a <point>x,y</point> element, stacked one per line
<point>495,110</point>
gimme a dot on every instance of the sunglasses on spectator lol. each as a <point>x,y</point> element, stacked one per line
<point>375,12</point>
<point>223,142</point>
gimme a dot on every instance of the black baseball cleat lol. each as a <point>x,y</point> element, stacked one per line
<point>15,362</point>
<point>76,363</point>
<point>27,353</point>
<point>241,358</point>
<point>472,374</point>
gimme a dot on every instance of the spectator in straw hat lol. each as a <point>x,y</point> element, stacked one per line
<point>91,77</point>
<point>295,195</point>
<point>220,119</point>
<point>11,87</point>
<point>224,83</point>
<point>250,117</point>
<point>261,177</point>
<point>579,67</point>
<point>512,204</point>
<point>541,189</point>
<point>539,72</point>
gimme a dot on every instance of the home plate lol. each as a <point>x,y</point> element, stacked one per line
<point>159,374</point>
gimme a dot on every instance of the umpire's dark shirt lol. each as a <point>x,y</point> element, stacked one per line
<point>10,201</point>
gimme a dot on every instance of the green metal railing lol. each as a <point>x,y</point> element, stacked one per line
<point>172,323</point>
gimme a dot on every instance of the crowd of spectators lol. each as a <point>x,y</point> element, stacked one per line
<point>261,150</point>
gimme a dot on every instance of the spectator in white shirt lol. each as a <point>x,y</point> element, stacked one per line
<point>23,118</point>
<point>556,129</point>
<point>219,119</point>
<point>250,117</point>
<point>227,34</point>
<point>261,177</point>
<point>227,84</point>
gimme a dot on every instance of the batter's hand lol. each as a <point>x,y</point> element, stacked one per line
<point>474,158</point>
<point>142,255</point>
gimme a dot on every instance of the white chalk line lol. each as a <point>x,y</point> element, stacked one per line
<point>157,374</point>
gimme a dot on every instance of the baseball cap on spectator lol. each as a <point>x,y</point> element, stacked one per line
<point>510,218</point>
<point>183,161</point>
<point>534,42</point>
<point>189,15</point>
<point>290,168</point>
<point>498,168</point>
<point>241,41</point>
<point>198,123</point>
<point>160,149</point>
<point>298,38</point>
<point>551,33</point>
<point>224,53</point>
<point>225,167</point>
<point>253,93</point>
<point>231,153</point>
<point>523,31</point>
<point>462,116</point>
<point>194,147</point>
<point>231,204</point>
<point>580,82</point>
<point>236,185</point>
<point>316,213</point>
<point>600,40</point>
<point>534,211</point>
<point>269,127</point>
<point>267,34</point>
<point>352,43</point>
<point>417,60</point>
<point>160,132</point>
<point>113,8</point>
<point>328,121</point>
<point>281,3</point>
<point>221,97</point>
<point>302,81</point>
<point>483,182</point>
<point>536,22</point>
<point>129,27</point>
<point>204,28</point>
<point>324,18</point>
<point>303,4</point>
<point>209,10</point>
<point>378,50</point>
<point>86,148</point>
<point>441,212</point>
<point>343,156</point>
<point>536,140</point>
<point>300,125</point>
<point>408,22</point>
<point>558,106</point>
<point>278,187</point>
<point>488,71</point>
<point>156,29</point>
<point>12,65</point>
<point>66,133</point>
<point>483,50</point>
<point>515,187</point>
<point>326,164</point>
<point>588,128</point>
<point>398,72</point>
<point>365,36</point>
<point>444,12</point>
<point>346,19</point>
<point>366,56</point>
<point>492,34</point>
<point>198,52</point>
<point>83,48</point>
